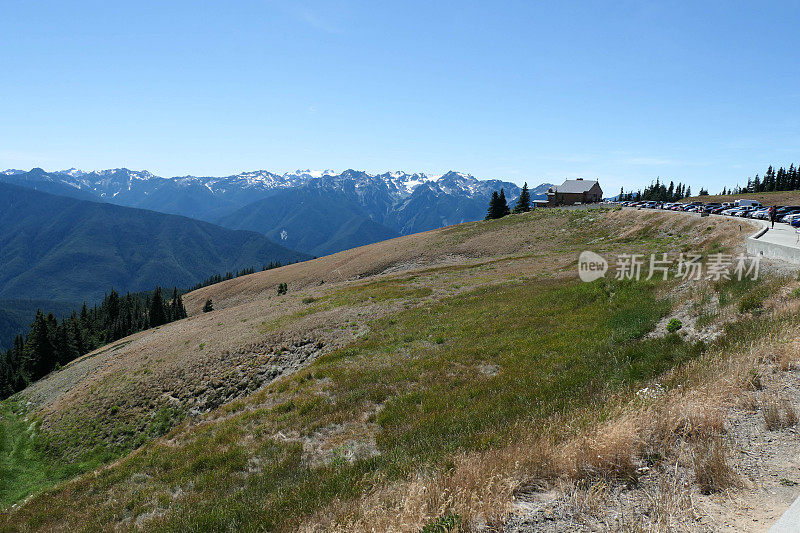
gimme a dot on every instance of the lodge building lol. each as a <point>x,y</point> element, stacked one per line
<point>577,191</point>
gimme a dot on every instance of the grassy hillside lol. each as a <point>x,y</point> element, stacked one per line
<point>53,247</point>
<point>460,357</point>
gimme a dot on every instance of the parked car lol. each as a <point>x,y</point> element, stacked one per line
<point>748,203</point>
<point>788,219</point>
<point>782,211</point>
<point>792,211</point>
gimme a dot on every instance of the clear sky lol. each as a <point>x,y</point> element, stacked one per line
<point>704,92</point>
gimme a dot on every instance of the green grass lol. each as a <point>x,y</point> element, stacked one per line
<point>560,347</point>
<point>25,468</point>
<point>747,294</point>
<point>436,400</point>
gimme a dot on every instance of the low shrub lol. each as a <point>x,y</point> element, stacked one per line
<point>674,325</point>
<point>753,380</point>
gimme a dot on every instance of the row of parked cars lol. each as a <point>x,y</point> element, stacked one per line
<point>789,214</point>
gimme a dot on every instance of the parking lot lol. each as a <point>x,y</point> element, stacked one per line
<point>784,214</point>
<point>779,242</point>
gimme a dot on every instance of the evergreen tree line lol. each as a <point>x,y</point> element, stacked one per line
<point>498,206</point>
<point>773,180</point>
<point>658,192</point>
<point>781,179</point>
<point>218,278</point>
<point>51,343</point>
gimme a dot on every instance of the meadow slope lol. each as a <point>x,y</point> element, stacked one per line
<point>466,359</point>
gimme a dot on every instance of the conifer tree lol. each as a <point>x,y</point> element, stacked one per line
<point>524,200</point>
<point>208,306</point>
<point>157,315</point>
<point>39,355</point>
<point>177,310</point>
<point>51,342</point>
<point>503,204</point>
<point>494,207</point>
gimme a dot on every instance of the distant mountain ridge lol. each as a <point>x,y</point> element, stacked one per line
<point>58,248</point>
<point>316,212</point>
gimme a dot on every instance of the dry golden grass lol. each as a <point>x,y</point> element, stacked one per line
<point>711,468</point>
<point>686,426</point>
<point>778,413</point>
<point>786,362</point>
<point>481,487</point>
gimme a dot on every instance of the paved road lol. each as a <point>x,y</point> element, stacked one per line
<point>789,522</point>
<point>782,234</point>
<point>781,242</point>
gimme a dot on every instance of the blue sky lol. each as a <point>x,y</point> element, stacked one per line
<point>704,92</point>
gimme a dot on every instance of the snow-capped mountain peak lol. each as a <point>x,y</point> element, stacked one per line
<point>307,174</point>
<point>137,187</point>
<point>73,172</point>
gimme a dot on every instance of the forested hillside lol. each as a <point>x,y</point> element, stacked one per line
<point>318,220</point>
<point>52,343</point>
<point>58,248</point>
<point>16,316</point>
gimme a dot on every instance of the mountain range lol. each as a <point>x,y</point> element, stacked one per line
<point>315,212</point>
<point>68,236</point>
<point>59,248</point>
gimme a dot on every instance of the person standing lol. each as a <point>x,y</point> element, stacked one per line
<point>772,215</point>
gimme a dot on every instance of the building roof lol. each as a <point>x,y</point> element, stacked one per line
<point>575,186</point>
